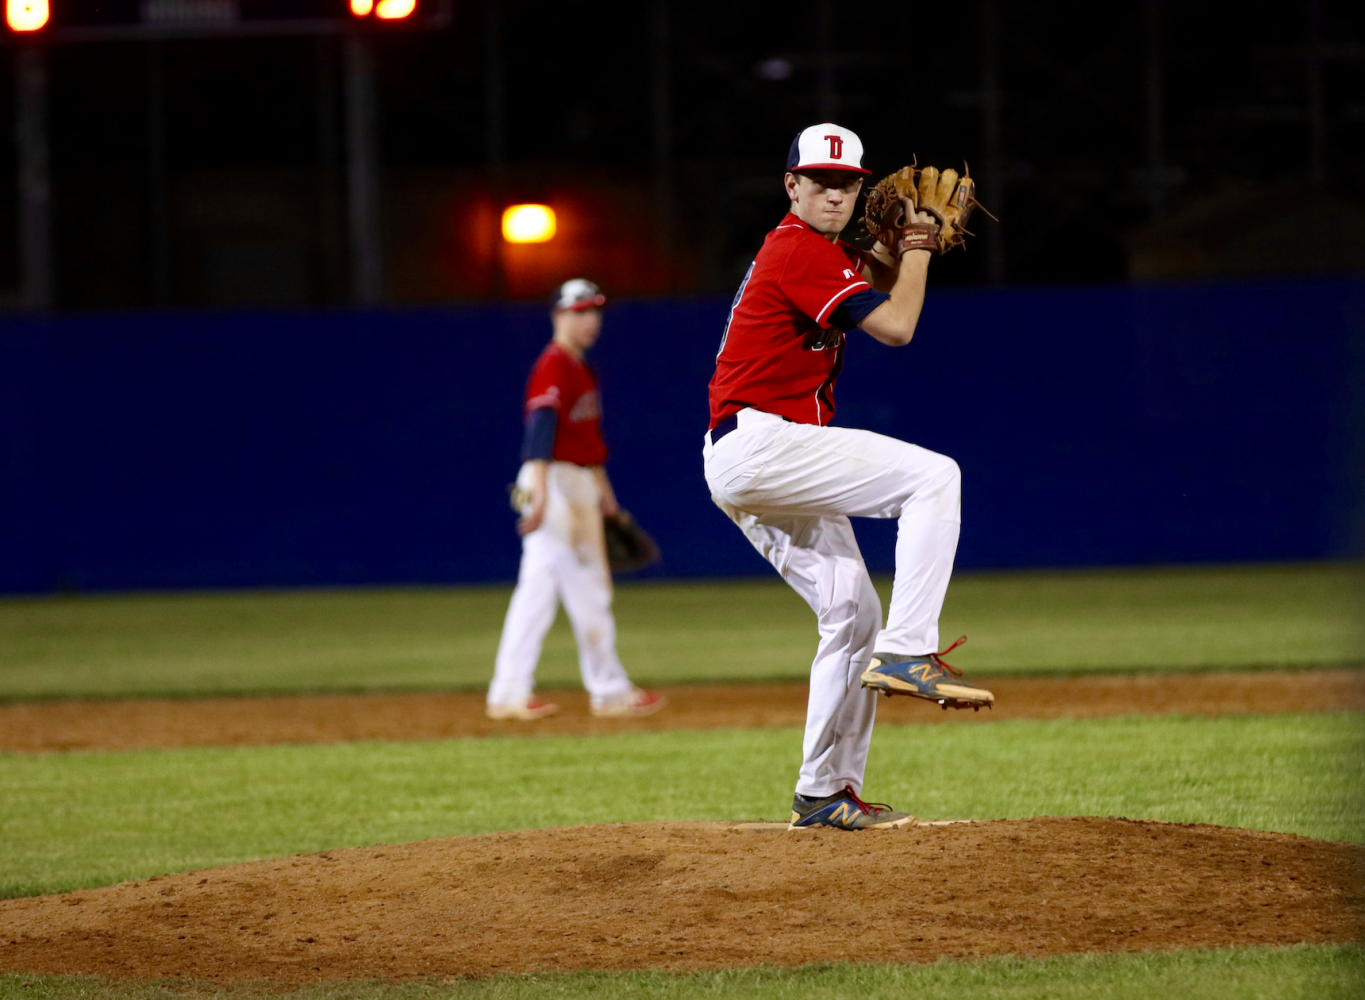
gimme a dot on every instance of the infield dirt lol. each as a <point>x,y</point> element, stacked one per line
<point>701,896</point>
<point>135,723</point>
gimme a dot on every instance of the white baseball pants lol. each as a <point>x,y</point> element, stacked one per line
<point>565,559</point>
<point>791,488</point>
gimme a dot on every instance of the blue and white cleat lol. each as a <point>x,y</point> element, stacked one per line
<point>845,811</point>
<point>925,676</point>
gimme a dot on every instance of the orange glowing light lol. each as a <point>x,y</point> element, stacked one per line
<point>362,8</point>
<point>26,15</point>
<point>528,224</point>
<point>393,10</point>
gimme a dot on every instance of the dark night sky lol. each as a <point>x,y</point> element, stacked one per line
<point>1074,141</point>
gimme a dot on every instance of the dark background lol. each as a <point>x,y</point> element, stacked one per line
<point>1156,356</point>
<point>1138,139</point>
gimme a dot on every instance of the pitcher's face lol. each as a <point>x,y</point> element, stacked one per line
<point>824,199</point>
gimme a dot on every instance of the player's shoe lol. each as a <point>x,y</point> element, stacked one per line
<point>845,811</point>
<point>634,704</point>
<point>925,676</point>
<point>521,711</point>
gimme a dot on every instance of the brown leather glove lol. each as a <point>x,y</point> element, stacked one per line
<point>946,197</point>
<point>629,546</point>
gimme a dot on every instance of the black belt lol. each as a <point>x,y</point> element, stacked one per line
<point>723,428</point>
<point>727,425</point>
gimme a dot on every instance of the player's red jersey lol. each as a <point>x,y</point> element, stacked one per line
<point>778,355</point>
<point>567,385</point>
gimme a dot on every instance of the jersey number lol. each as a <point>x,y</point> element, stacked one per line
<point>733,306</point>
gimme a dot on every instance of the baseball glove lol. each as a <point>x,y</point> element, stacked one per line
<point>948,198</point>
<point>629,546</point>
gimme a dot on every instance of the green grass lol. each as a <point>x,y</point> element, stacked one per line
<point>1303,972</point>
<point>86,819</point>
<point>1059,622</point>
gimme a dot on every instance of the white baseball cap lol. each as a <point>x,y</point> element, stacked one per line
<point>578,294</point>
<point>827,147</point>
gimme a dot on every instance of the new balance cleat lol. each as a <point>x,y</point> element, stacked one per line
<point>634,704</point>
<point>521,711</point>
<point>845,811</point>
<point>926,676</point>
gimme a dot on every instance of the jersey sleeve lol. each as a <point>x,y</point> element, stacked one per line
<point>547,385</point>
<point>538,442</point>
<point>818,276</point>
<point>850,312</point>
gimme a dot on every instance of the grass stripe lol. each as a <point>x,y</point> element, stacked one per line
<point>1304,972</point>
<point>86,819</point>
<point>439,638</point>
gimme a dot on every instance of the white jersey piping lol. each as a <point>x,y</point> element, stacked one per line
<point>825,308</point>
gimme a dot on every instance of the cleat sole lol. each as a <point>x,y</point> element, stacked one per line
<point>519,713</point>
<point>895,824</point>
<point>889,686</point>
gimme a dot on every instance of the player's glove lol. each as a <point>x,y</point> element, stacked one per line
<point>947,198</point>
<point>884,215</point>
<point>629,546</point>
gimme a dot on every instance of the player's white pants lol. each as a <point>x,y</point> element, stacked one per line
<point>791,488</point>
<point>564,560</point>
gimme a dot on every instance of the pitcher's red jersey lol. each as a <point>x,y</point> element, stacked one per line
<point>567,385</point>
<point>778,354</point>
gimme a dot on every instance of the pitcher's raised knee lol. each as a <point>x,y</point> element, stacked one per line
<point>942,487</point>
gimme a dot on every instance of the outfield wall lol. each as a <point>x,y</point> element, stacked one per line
<point>1094,426</point>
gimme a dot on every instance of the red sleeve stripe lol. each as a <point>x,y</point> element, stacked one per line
<point>839,296</point>
<point>549,399</point>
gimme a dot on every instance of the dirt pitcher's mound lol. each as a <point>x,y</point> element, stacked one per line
<point>701,896</point>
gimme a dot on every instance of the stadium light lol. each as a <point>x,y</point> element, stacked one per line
<point>528,224</point>
<point>26,15</point>
<point>385,10</point>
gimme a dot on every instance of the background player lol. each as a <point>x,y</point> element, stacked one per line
<point>563,494</point>
<point>790,481</point>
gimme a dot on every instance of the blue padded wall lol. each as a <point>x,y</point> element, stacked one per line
<point>1094,426</point>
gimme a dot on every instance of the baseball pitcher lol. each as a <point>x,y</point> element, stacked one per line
<point>791,482</point>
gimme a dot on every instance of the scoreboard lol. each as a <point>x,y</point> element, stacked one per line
<point>110,20</point>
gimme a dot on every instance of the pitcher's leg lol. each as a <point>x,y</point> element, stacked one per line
<point>839,715</point>
<point>529,616</point>
<point>839,471</point>
<point>926,544</point>
<point>587,596</point>
<point>847,762</point>
<point>820,560</point>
